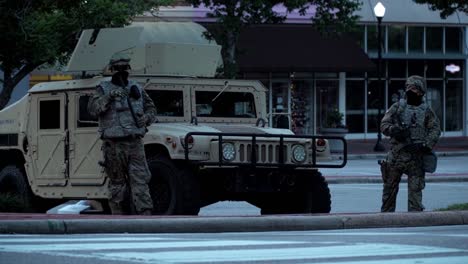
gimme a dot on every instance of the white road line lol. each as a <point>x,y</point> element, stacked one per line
<point>137,245</point>
<point>432,260</point>
<point>300,253</point>
<point>79,239</point>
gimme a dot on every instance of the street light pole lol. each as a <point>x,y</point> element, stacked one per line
<point>379,11</point>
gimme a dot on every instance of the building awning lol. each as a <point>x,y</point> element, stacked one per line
<point>298,48</point>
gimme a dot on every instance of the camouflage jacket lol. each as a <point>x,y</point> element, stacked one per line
<point>421,122</point>
<point>119,117</point>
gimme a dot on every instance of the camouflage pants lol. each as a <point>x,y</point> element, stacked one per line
<point>128,175</point>
<point>416,183</point>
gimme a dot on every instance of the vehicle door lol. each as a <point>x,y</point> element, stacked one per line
<point>85,144</point>
<point>47,128</point>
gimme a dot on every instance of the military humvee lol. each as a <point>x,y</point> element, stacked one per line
<point>211,142</point>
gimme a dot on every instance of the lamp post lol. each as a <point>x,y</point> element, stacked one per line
<point>379,12</point>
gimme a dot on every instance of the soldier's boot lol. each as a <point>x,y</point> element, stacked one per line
<point>116,208</point>
<point>146,212</point>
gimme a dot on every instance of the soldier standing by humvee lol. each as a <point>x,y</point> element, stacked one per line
<point>124,110</point>
<point>413,129</point>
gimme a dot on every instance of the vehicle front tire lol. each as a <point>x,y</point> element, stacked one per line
<point>14,189</point>
<point>174,191</point>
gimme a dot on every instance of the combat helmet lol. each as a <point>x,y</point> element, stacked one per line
<point>119,61</point>
<point>416,81</point>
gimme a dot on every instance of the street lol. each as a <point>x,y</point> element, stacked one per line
<point>366,197</point>
<point>429,245</point>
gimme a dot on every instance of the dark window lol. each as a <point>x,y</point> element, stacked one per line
<point>435,69</point>
<point>434,39</point>
<point>372,37</point>
<point>415,39</point>
<point>84,118</point>
<point>49,114</point>
<point>355,106</point>
<point>168,103</point>
<point>416,67</point>
<point>397,68</point>
<point>453,40</point>
<point>396,38</point>
<point>225,104</point>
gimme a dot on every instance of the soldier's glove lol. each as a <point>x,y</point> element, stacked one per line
<point>143,121</point>
<point>118,93</point>
<point>399,133</point>
<point>416,148</point>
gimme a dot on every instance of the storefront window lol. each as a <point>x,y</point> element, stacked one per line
<point>301,112</point>
<point>327,98</point>
<point>454,106</point>
<point>453,40</point>
<point>280,101</point>
<point>396,38</point>
<point>374,101</point>
<point>416,67</point>
<point>355,105</point>
<point>372,38</point>
<point>435,69</point>
<point>434,39</point>
<point>434,98</point>
<point>397,68</point>
<point>415,39</point>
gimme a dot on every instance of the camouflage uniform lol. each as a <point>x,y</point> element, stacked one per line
<point>414,130</point>
<point>124,111</point>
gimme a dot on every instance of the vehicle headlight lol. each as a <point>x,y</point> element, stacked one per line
<point>229,151</point>
<point>299,153</point>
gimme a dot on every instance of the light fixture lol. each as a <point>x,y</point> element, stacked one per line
<point>379,10</point>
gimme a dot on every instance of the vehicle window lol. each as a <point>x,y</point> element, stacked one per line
<point>226,104</point>
<point>168,103</point>
<point>49,114</point>
<point>84,118</point>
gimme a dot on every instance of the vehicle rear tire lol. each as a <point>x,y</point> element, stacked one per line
<point>175,191</point>
<point>15,191</point>
<point>315,199</point>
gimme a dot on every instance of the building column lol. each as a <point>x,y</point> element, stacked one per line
<point>342,95</point>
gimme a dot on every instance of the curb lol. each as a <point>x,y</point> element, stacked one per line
<point>384,155</point>
<point>378,179</point>
<point>233,224</point>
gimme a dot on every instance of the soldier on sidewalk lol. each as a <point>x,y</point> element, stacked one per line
<point>413,129</point>
<point>124,110</point>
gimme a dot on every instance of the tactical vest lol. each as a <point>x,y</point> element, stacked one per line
<point>413,117</point>
<point>119,121</point>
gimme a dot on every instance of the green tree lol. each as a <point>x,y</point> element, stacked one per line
<point>446,7</point>
<point>331,18</point>
<point>37,32</point>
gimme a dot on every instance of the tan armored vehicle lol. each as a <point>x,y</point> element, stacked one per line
<point>211,142</point>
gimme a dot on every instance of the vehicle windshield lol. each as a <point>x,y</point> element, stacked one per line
<point>227,104</point>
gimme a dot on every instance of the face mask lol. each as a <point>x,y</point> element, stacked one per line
<point>413,99</point>
<point>120,78</point>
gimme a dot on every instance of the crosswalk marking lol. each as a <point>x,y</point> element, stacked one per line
<point>138,245</point>
<point>295,253</point>
<point>212,249</point>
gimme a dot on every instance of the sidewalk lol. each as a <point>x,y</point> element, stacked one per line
<point>364,148</point>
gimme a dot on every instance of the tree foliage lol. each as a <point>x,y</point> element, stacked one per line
<point>330,18</point>
<point>446,7</point>
<point>35,32</point>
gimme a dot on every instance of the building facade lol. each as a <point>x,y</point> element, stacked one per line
<point>309,77</point>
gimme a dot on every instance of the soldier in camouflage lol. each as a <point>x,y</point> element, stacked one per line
<point>124,111</point>
<point>413,129</point>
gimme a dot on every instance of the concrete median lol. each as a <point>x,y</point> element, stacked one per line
<point>230,224</point>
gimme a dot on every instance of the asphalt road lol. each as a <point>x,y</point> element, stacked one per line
<point>428,245</point>
<point>361,198</point>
